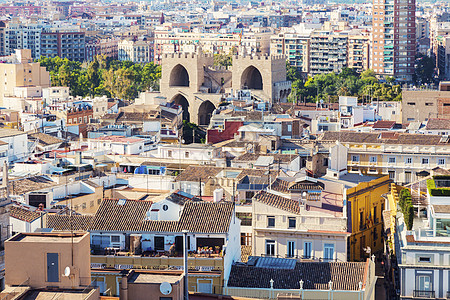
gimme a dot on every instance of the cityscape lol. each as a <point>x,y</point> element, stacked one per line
<point>224,149</point>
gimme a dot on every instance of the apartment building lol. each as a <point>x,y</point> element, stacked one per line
<point>291,219</point>
<point>295,47</point>
<point>140,51</point>
<point>20,35</point>
<point>328,52</point>
<point>399,155</point>
<point>394,38</point>
<point>107,47</point>
<point>443,56</point>
<point>358,52</point>
<point>19,70</point>
<point>423,253</point>
<point>64,42</point>
<point>366,205</point>
<point>421,105</point>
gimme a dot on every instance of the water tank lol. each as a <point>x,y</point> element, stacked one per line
<point>218,194</point>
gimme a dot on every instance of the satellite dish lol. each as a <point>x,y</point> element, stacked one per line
<point>67,271</point>
<point>165,288</point>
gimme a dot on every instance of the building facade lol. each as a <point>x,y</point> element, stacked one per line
<point>394,38</point>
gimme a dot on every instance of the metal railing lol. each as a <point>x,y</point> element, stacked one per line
<point>423,294</point>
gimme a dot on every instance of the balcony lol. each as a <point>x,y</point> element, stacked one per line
<point>423,294</point>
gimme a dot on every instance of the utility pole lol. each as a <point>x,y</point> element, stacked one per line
<point>185,265</point>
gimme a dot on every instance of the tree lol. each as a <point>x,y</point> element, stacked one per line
<point>292,73</point>
<point>224,60</point>
<point>93,76</point>
<point>424,71</point>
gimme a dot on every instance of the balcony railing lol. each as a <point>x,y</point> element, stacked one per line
<point>423,294</point>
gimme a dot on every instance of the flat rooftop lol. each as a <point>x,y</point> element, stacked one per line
<point>154,278</point>
<point>58,294</point>
<point>48,237</point>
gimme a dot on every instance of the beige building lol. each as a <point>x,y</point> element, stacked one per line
<point>19,70</point>
<point>294,46</point>
<point>421,105</point>
<point>41,260</point>
<point>140,51</point>
<point>358,52</point>
<point>289,221</point>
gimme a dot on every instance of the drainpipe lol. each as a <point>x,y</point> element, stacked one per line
<point>185,264</point>
<point>123,294</point>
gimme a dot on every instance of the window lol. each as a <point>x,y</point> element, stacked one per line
<point>270,247</point>
<point>270,221</point>
<point>408,160</point>
<point>391,175</point>
<point>169,153</point>
<point>425,259</point>
<point>186,154</point>
<point>291,249</point>
<point>424,282</point>
<point>441,161</point>
<point>292,222</point>
<point>424,161</point>
<point>355,158</point>
<point>407,177</point>
<point>391,160</point>
<point>115,239</point>
<point>165,207</point>
<point>328,252</point>
<point>373,159</point>
<point>325,162</point>
<point>307,249</point>
<point>289,128</point>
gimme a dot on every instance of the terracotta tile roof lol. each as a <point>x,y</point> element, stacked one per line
<point>375,138</point>
<point>251,172</point>
<point>201,217</point>
<point>34,183</point>
<point>315,275</point>
<point>438,124</point>
<point>306,185</point>
<point>62,222</point>
<point>115,216</point>
<point>277,157</point>
<point>205,217</point>
<point>280,185</point>
<point>45,139</point>
<point>278,202</point>
<point>195,173</point>
<point>160,226</point>
<point>383,124</point>
<point>23,214</point>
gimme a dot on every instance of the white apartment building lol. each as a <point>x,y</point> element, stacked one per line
<point>423,254</point>
<point>399,155</point>
<point>140,51</point>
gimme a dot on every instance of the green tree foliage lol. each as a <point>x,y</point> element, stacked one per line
<point>223,60</point>
<point>424,72</point>
<point>103,76</point>
<point>329,87</point>
<point>406,207</point>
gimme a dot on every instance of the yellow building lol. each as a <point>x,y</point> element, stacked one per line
<point>366,205</point>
